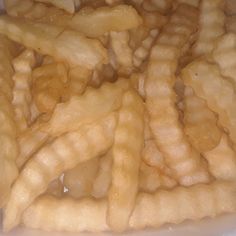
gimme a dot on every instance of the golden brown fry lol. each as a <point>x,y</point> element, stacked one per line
<point>126,151</point>
<point>224,54</point>
<point>65,45</point>
<point>162,6</point>
<point>103,179</point>
<point>210,85</point>
<point>194,3</point>
<point>212,20</point>
<point>52,160</point>
<point>222,160</point>
<point>91,106</point>
<point>200,123</point>
<point>79,180</point>
<point>186,164</point>
<point>8,143</point>
<point>230,7</point>
<point>151,210</point>
<point>231,24</point>
<point>96,22</point>
<point>22,78</point>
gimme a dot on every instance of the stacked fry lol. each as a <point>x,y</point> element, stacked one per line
<point>116,114</point>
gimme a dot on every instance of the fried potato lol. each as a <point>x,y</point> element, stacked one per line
<point>102,181</point>
<point>212,20</point>
<point>194,3</point>
<point>122,52</point>
<point>67,5</point>
<point>222,160</point>
<point>200,123</point>
<point>151,210</point>
<point>8,134</point>
<point>23,65</point>
<point>79,180</point>
<point>230,7</point>
<point>224,54</point>
<point>52,160</point>
<point>162,6</point>
<point>80,110</point>
<point>96,22</point>
<point>210,85</point>
<point>142,52</point>
<point>186,164</point>
<point>231,24</point>
<point>126,151</point>
<point>55,188</point>
<point>137,82</point>
<point>65,45</point>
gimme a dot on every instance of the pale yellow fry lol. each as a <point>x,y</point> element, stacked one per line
<point>126,151</point>
<point>55,188</point>
<point>200,123</point>
<point>212,20</point>
<point>79,180</point>
<point>23,65</point>
<point>96,22</point>
<point>151,210</point>
<point>186,164</point>
<point>66,45</point>
<point>102,181</point>
<point>52,160</point>
<point>222,160</point>
<point>8,143</point>
<point>209,84</point>
<point>92,105</point>
<point>67,5</point>
<point>224,54</point>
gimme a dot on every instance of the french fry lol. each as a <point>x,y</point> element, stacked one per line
<point>210,85</point>
<point>162,6</point>
<point>22,78</point>
<point>65,45</point>
<point>79,180</point>
<point>8,134</point>
<point>212,20</point>
<point>151,210</point>
<point>230,7</point>
<point>102,181</point>
<point>200,123</point>
<point>222,160</point>
<point>194,3</point>
<point>186,164</point>
<point>231,24</point>
<point>94,23</point>
<point>224,54</point>
<point>93,105</point>
<point>67,5</point>
<point>122,51</point>
<point>126,151</point>
<point>52,160</point>
<point>55,188</point>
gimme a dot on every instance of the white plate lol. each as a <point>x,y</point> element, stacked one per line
<point>221,226</point>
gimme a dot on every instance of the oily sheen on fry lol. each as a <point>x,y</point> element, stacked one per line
<point>151,210</point>
<point>52,160</point>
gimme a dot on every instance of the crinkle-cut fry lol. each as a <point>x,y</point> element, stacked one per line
<point>151,210</point>
<point>79,180</point>
<point>200,123</point>
<point>151,179</point>
<point>55,188</point>
<point>66,45</point>
<point>67,5</point>
<point>212,20</point>
<point>8,134</point>
<point>142,52</point>
<point>231,24</point>
<point>52,160</point>
<point>23,65</point>
<point>122,51</point>
<point>186,164</point>
<point>29,143</point>
<point>126,153</point>
<point>96,22</point>
<point>222,160</point>
<point>162,6</point>
<point>208,83</point>
<point>102,181</point>
<point>92,105</point>
<point>224,54</point>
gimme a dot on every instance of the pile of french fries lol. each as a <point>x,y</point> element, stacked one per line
<point>116,114</point>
